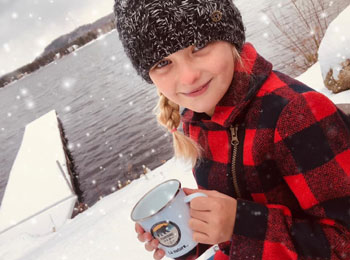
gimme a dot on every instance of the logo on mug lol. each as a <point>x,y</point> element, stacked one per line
<point>167,232</point>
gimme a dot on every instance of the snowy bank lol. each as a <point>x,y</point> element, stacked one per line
<point>313,78</point>
<point>334,53</point>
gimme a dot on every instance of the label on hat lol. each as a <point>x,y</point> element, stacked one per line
<point>167,232</point>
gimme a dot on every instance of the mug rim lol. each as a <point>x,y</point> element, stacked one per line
<point>166,204</point>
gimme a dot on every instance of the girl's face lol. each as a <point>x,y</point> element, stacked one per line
<point>196,78</point>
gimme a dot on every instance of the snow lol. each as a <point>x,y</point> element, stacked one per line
<point>335,47</point>
<point>313,78</point>
<point>23,207</point>
<point>105,231</point>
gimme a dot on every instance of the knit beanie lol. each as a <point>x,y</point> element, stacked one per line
<point>151,30</point>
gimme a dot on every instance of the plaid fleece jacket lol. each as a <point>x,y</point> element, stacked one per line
<point>292,169</point>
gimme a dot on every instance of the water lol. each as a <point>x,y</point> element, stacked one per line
<point>106,112</point>
<point>106,109</point>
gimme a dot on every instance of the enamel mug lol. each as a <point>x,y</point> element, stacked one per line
<point>164,212</point>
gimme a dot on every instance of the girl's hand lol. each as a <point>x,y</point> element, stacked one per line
<point>151,244</point>
<point>213,217</point>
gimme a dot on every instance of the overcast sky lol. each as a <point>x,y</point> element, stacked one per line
<point>28,26</point>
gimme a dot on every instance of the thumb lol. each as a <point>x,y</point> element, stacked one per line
<point>209,193</point>
<point>189,191</point>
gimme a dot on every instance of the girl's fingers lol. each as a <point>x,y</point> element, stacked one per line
<point>152,245</point>
<point>158,254</point>
<point>145,237</point>
<point>139,229</point>
<point>198,225</point>
<point>201,238</point>
<point>200,215</point>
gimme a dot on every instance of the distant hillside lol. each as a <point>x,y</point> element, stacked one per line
<point>61,46</point>
<point>67,39</point>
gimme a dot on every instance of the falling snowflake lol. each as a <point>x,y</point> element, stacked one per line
<point>264,18</point>
<point>14,15</point>
<point>93,182</point>
<point>41,42</point>
<point>6,47</point>
<point>24,91</point>
<point>87,134</point>
<point>68,83</point>
<point>30,104</point>
<point>70,146</point>
<point>9,114</point>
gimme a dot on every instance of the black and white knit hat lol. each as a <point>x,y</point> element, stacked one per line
<point>151,30</point>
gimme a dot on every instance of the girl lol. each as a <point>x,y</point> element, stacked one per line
<point>272,155</point>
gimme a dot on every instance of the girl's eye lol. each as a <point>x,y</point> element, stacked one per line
<point>198,47</point>
<point>161,64</point>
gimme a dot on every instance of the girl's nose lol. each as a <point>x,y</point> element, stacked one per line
<point>188,73</point>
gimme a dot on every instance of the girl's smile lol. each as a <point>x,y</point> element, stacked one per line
<point>197,91</point>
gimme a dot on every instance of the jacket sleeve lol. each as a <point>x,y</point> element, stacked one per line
<point>312,152</point>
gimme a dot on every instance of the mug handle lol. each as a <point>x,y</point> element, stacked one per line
<point>190,197</point>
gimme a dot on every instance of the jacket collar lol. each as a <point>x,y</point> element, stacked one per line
<point>247,80</point>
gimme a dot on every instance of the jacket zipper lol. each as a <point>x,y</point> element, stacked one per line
<point>235,143</point>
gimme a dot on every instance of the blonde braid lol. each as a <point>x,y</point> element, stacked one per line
<point>168,115</point>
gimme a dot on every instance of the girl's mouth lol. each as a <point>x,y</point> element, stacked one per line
<point>198,91</point>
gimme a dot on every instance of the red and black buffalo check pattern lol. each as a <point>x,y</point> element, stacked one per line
<point>293,166</point>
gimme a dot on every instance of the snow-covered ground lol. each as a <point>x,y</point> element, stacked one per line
<point>335,47</point>
<point>105,231</point>
<point>313,78</point>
